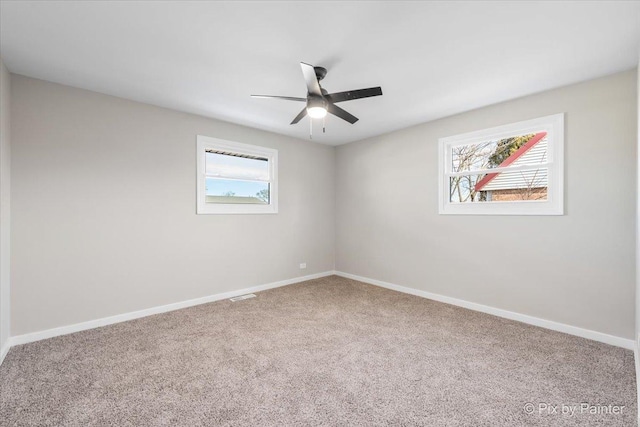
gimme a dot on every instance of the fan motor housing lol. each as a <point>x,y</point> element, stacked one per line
<point>316,101</point>
<point>321,72</point>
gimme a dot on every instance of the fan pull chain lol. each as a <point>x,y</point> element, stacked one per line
<point>310,128</point>
<point>323,129</point>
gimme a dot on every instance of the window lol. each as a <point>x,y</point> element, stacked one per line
<point>515,169</point>
<point>236,178</point>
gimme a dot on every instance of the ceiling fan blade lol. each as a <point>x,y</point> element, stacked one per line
<point>300,116</point>
<point>354,94</point>
<point>339,112</point>
<point>287,98</point>
<point>313,87</point>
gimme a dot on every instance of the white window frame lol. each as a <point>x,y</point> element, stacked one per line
<point>554,205</point>
<point>205,143</point>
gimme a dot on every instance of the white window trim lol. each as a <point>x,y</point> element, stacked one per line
<point>205,143</point>
<point>554,205</point>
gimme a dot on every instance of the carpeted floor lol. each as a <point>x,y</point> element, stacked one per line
<point>330,352</point>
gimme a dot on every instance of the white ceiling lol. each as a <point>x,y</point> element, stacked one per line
<point>432,59</point>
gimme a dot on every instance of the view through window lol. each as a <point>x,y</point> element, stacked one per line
<point>232,178</point>
<point>525,154</point>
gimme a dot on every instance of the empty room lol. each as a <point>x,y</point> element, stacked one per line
<point>355,213</point>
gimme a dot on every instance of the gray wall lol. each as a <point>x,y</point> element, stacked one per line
<point>5,189</point>
<point>103,208</point>
<point>104,202</point>
<point>576,269</point>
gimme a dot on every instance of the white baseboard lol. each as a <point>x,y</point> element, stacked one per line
<point>536,321</point>
<point>573,330</point>
<point>4,350</point>
<point>636,353</point>
<point>69,329</point>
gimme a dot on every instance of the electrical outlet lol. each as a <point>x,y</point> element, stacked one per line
<point>303,265</point>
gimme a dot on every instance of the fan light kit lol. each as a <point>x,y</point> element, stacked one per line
<point>319,101</point>
<point>316,108</point>
<point>317,112</point>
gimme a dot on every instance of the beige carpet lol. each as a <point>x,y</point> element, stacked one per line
<point>328,352</point>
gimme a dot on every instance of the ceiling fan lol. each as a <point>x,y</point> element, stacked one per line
<point>319,101</point>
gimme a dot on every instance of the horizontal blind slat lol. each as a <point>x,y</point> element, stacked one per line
<point>245,156</point>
